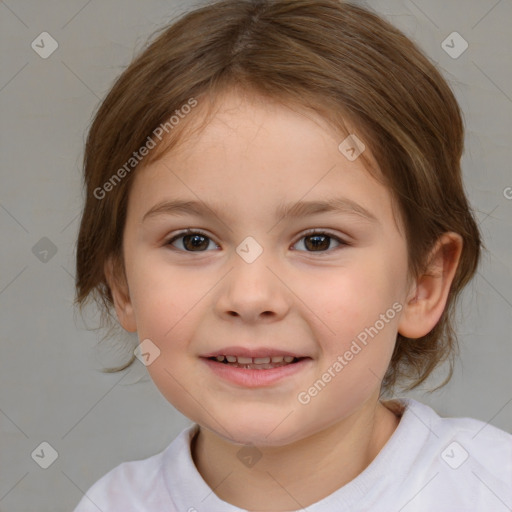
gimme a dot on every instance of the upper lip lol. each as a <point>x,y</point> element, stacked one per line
<point>252,352</point>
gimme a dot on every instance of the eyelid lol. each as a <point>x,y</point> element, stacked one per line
<point>321,231</point>
<point>189,231</point>
<point>309,232</point>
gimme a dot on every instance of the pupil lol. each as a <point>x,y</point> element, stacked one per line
<point>316,244</point>
<point>195,243</point>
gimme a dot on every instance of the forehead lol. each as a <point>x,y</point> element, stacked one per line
<point>251,148</point>
<point>245,115</point>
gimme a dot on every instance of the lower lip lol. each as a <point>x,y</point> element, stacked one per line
<point>256,378</point>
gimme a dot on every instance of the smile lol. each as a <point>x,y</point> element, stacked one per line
<point>256,363</point>
<point>256,372</point>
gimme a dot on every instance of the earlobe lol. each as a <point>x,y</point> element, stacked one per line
<point>121,297</point>
<point>427,299</point>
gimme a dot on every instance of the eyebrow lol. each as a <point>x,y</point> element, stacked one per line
<point>292,210</point>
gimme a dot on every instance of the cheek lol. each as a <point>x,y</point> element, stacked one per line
<point>359,322</point>
<point>162,296</point>
<point>172,371</point>
<point>349,298</point>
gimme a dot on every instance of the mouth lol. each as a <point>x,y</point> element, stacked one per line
<point>256,363</point>
<point>256,372</point>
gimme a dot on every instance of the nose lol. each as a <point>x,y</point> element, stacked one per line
<point>253,292</point>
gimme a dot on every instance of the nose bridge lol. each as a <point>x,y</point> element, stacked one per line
<point>251,289</point>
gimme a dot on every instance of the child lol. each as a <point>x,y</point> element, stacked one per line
<point>275,205</point>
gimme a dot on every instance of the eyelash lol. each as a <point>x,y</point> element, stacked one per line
<point>308,233</point>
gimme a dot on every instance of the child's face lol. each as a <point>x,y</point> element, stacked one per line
<point>302,295</point>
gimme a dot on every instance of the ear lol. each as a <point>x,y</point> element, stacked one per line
<point>429,294</point>
<point>121,296</point>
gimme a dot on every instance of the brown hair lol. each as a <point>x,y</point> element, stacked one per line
<point>337,59</point>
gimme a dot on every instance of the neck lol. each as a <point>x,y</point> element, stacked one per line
<point>297,475</point>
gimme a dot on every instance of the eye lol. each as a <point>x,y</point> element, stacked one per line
<point>197,241</point>
<point>319,241</point>
<point>192,241</point>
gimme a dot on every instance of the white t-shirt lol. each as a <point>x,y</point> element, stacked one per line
<point>429,464</point>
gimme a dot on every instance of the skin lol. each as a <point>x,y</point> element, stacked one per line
<point>252,157</point>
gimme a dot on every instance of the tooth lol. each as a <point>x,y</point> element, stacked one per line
<point>220,358</point>
<point>231,359</point>
<point>288,359</point>
<point>244,360</point>
<point>277,359</point>
<point>261,360</point>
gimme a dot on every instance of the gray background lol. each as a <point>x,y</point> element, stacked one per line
<point>51,388</point>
